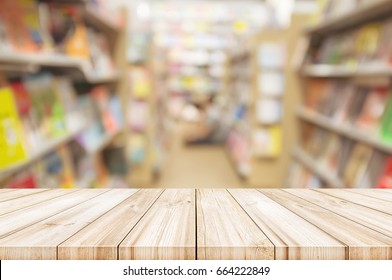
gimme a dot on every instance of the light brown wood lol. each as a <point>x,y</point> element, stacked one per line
<point>380,194</point>
<point>204,224</point>
<point>225,231</point>
<point>100,239</point>
<point>167,231</point>
<point>373,200</point>
<point>374,219</point>
<point>12,222</point>
<point>364,243</point>
<point>40,240</point>
<point>29,200</point>
<point>12,194</point>
<point>293,237</point>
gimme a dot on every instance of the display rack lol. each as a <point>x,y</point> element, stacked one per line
<point>362,68</point>
<point>80,71</point>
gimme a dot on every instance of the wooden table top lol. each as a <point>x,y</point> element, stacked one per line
<point>199,224</point>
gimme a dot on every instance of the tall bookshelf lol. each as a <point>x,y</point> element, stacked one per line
<point>264,164</point>
<point>15,64</point>
<point>354,66</point>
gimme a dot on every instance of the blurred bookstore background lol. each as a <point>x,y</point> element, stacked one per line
<point>190,94</point>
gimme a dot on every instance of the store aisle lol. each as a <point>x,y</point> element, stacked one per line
<point>197,166</point>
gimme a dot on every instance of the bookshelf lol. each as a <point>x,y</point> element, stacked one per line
<point>86,76</point>
<point>370,10</point>
<point>238,92</point>
<point>36,155</point>
<point>346,73</point>
<point>252,160</point>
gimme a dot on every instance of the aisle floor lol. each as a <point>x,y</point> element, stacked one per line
<point>197,166</point>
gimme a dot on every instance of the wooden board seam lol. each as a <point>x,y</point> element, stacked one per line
<point>253,221</point>
<point>347,252</point>
<point>336,213</point>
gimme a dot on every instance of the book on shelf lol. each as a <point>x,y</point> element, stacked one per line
<point>271,83</point>
<point>98,48</point>
<point>301,177</point>
<point>115,160</point>
<point>12,144</point>
<point>363,45</point>
<point>83,164</point>
<point>316,94</point>
<point>357,104</point>
<point>55,170</point>
<point>330,157</point>
<point>138,115</point>
<point>26,113</point>
<point>49,112</point>
<point>95,131</point>
<point>341,114</point>
<point>267,142</point>
<point>374,171</point>
<point>24,180</point>
<point>385,180</point>
<point>67,29</point>
<point>101,97</point>
<point>386,123</point>
<point>357,165</point>
<point>373,109</point>
<point>20,26</point>
<point>272,55</point>
<point>269,111</point>
<point>141,82</point>
<point>137,148</point>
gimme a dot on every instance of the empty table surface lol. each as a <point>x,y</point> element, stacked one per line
<point>188,224</point>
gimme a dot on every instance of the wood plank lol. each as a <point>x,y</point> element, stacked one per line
<point>100,239</point>
<point>225,231</point>
<point>293,237</point>
<point>18,193</point>
<point>369,199</point>
<point>364,243</point>
<point>365,216</point>
<point>376,193</point>
<point>166,232</point>
<point>29,200</point>
<point>12,222</point>
<point>40,241</point>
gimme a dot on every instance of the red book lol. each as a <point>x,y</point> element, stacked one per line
<point>385,181</point>
<point>22,98</point>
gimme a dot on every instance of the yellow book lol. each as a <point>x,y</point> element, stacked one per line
<point>12,150</point>
<point>267,142</point>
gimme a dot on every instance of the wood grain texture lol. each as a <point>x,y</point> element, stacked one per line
<point>364,243</point>
<point>29,200</point>
<point>12,222</point>
<point>293,237</point>
<point>225,231</point>
<point>167,231</point>
<point>376,193</point>
<point>12,194</point>
<point>375,201</point>
<point>6,190</point>
<point>40,240</point>
<point>100,239</point>
<point>371,218</point>
<point>188,224</point>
